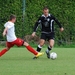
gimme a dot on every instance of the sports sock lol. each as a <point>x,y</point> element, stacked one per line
<point>29,48</point>
<point>49,49</point>
<point>39,48</point>
<point>3,52</point>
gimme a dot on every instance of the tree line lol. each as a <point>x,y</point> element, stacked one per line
<point>63,10</point>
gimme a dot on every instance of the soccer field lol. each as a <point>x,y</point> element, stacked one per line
<point>18,61</point>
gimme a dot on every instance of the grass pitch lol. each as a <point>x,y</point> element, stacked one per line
<point>18,61</point>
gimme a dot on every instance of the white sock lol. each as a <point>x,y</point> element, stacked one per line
<point>47,50</point>
<point>39,46</point>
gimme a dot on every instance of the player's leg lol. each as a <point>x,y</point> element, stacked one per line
<point>50,38</point>
<point>19,42</point>
<point>51,44</point>
<point>2,52</point>
<point>29,48</point>
<point>39,47</point>
<point>42,41</point>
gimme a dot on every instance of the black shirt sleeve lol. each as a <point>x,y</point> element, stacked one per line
<point>36,24</point>
<point>56,21</point>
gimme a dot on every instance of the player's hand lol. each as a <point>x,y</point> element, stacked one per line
<point>33,34</point>
<point>61,29</point>
<point>4,33</point>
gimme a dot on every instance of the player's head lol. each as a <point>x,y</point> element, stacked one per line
<point>12,18</point>
<point>46,11</point>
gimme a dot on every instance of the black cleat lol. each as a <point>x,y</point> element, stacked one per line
<point>35,57</point>
<point>48,54</point>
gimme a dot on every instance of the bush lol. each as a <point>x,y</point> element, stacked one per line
<point>62,9</point>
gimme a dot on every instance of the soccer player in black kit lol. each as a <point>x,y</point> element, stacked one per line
<point>46,22</point>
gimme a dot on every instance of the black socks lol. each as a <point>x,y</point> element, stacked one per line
<point>49,48</point>
<point>39,48</point>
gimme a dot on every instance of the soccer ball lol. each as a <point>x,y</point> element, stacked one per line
<point>53,55</point>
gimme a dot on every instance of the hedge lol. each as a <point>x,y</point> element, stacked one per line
<point>63,10</point>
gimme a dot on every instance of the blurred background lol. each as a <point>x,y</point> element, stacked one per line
<point>28,11</point>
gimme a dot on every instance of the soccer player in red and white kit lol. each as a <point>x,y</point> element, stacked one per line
<point>12,40</point>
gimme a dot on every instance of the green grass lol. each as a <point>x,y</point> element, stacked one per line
<point>18,61</point>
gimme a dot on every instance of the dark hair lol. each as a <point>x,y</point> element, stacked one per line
<point>12,17</point>
<point>45,8</point>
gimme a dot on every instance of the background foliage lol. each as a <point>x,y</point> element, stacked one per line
<point>63,10</point>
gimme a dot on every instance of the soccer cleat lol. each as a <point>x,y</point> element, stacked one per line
<point>48,54</point>
<point>39,54</point>
<point>35,57</point>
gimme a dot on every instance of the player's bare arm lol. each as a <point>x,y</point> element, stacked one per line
<point>5,31</point>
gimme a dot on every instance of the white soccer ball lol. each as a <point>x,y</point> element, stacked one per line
<point>53,55</point>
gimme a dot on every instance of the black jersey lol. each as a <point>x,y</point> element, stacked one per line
<point>46,23</point>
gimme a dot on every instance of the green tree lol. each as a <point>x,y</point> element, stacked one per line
<point>62,9</point>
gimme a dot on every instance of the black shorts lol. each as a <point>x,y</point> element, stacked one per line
<point>48,36</point>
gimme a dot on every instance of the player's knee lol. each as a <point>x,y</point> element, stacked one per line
<point>25,44</point>
<point>41,44</point>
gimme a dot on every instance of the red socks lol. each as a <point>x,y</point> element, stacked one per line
<point>31,50</point>
<point>28,47</point>
<point>3,52</point>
